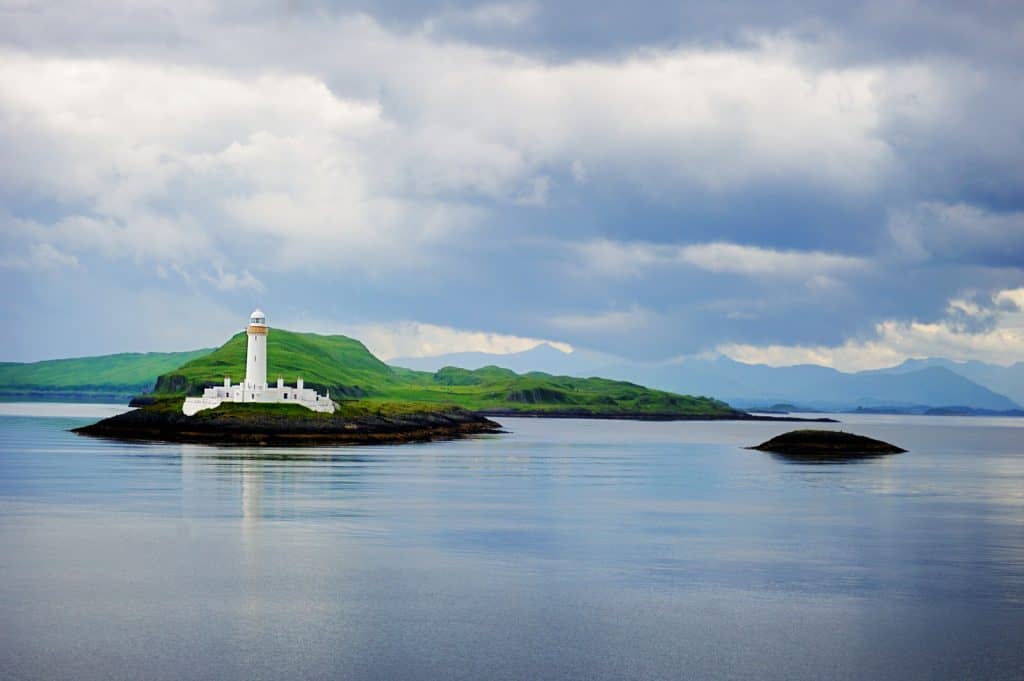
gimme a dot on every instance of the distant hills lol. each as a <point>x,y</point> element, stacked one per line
<point>109,377</point>
<point>1006,380</point>
<point>922,384</point>
<point>339,364</point>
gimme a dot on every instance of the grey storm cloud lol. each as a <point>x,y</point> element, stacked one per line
<point>651,180</point>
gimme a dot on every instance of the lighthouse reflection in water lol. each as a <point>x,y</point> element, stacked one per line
<point>562,549</point>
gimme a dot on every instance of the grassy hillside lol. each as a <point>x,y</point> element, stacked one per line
<point>122,374</point>
<point>493,388</point>
<point>336,363</point>
<point>346,368</point>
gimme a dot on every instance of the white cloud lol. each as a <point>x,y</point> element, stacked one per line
<point>229,281</point>
<point>714,118</point>
<point>140,236</point>
<point>1013,297</point>
<point>753,260</point>
<point>183,163</point>
<point>633,258</point>
<point>622,259</point>
<point>419,339</point>
<point>1002,341</point>
<point>851,356</point>
<point>492,15</point>
<point>40,258</point>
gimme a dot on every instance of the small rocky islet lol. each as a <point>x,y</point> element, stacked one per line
<point>826,444</point>
<point>289,425</point>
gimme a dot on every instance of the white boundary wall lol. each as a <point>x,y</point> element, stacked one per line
<point>280,394</point>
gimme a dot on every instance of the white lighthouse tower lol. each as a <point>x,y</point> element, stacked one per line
<point>256,356</point>
<point>254,388</point>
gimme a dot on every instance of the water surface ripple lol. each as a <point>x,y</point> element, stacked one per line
<point>562,550</point>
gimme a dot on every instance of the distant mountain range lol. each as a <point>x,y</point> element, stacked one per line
<point>915,384</point>
<point>1006,380</point>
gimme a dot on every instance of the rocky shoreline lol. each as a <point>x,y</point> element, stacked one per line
<point>258,429</point>
<point>156,422</point>
<point>645,416</point>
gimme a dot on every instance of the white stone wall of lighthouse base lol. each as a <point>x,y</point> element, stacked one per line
<point>214,397</point>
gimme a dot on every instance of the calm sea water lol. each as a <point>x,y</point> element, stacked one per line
<point>562,550</point>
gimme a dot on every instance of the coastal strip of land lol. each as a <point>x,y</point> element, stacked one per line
<point>726,415</point>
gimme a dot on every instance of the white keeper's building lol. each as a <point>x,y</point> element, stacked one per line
<point>255,388</point>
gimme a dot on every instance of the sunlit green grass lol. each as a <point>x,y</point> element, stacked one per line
<point>348,370</point>
<point>124,373</point>
<point>360,382</point>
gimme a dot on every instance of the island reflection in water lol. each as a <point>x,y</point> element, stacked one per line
<point>834,459</point>
<point>566,549</point>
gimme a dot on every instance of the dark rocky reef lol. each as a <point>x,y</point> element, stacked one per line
<point>254,425</point>
<point>826,445</point>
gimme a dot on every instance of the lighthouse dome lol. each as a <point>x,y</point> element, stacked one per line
<point>257,317</point>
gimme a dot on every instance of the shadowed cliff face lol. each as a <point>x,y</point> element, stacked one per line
<point>535,395</point>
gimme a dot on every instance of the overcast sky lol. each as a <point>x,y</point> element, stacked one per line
<point>810,181</point>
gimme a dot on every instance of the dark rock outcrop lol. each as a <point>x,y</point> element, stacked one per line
<point>253,427</point>
<point>537,395</point>
<point>171,383</point>
<point>826,445</point>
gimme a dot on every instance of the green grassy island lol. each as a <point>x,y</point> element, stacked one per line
<point>375,402</point>
<point>350,372</point>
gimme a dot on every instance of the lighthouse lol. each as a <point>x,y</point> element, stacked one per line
<point>256,356</point>
<point>254,388</point>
